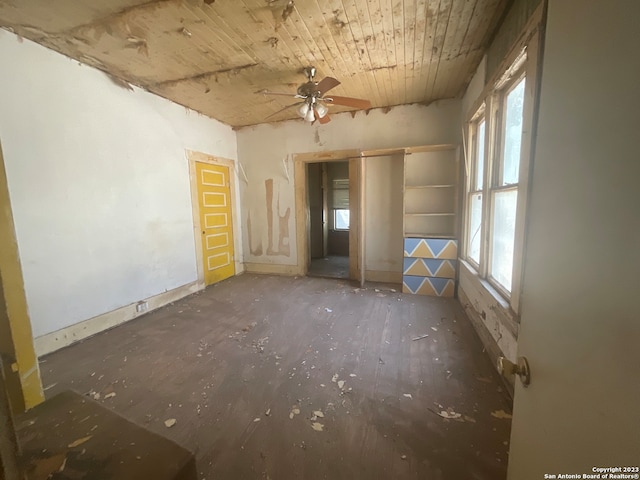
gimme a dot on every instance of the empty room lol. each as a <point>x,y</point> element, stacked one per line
<point>304,239</point>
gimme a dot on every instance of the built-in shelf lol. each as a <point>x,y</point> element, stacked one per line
<point>430,222</point>
<point>430,193</point>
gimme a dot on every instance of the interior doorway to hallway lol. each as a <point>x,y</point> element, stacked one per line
<point>329,215</point>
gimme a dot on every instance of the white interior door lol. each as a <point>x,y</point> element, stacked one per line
<point>580,311</point>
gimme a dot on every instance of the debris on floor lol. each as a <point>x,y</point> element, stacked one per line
<point>318,413</point>
<point>318,427</point>
<point>449,413</point>
<point>434,329</point>
<point>249,327</point>
<point>257,419</point>
<point>170,422</point>
<point>341,384</point>
<point>268,412</point>
<point>408,395</point>
<point>501,414</point>
<point>328,310</point>
<point>109,395</point>
<point>80,441</point>
<point>294,411</point>
<point>420,337</point>
<point>259,344</point>
<point>334,379</point>
<point>403,457</point>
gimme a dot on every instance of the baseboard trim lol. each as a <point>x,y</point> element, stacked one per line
<point>272,269</point>
<point>74,333</point>
<point>383,277</point>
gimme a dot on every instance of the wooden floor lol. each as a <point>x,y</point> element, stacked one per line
<point>332,266</point>
<point>236,363</point>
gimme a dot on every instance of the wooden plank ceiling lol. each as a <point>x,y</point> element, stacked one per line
<point>214,55</point>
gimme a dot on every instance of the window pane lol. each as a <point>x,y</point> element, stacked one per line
<point>341,220</point>
<point>512,135</point>
<point>503,235</point>
<point>480,156</point>
<point>475,219</point>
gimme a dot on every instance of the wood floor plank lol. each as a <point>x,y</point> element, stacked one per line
<point>219,360</point>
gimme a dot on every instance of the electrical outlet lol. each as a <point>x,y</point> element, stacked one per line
<point>142,307</point>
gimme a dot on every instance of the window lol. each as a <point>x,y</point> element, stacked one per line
<point>504,188</point>
<point>494,198</point>
<point>474,196</point>
<point>341,219</point>
<point>340,203</point>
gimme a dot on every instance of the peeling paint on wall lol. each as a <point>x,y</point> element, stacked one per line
<point>284,247</point>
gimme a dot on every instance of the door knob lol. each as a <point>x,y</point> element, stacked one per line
<point>506,368</point>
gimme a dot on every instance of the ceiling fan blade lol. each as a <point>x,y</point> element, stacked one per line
<point>326,84</point>
<point>349,102</point>
<point>324,119</point>
<point>283,109</point>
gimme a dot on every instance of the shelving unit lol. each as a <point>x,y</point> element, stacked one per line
<point>430,220</point>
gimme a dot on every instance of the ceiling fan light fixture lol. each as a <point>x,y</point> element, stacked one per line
<point>310,116</point>
<point>303,110</point>
<point>321,109</point>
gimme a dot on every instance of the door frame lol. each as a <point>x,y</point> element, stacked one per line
<point>300,161</point>
<point>193,157</point>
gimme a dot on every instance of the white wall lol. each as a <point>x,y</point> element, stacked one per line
<point>99,185</point>
<point>262,148</point>
<point>580,321</point>
<point>474,90</point>
<point>384,185</point>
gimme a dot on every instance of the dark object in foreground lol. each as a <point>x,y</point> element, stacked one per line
<point>71,436</point>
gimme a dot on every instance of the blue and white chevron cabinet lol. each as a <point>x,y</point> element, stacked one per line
<point>429,266</point>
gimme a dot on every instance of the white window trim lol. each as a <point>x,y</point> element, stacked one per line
<point>525,63</point>
<point>470,189</point>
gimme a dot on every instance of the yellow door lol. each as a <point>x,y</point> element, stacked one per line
<point>214,199</point>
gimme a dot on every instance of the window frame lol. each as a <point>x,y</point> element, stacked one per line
<point>471,182</point>
<point>499,102</point>
<point>492,107</point>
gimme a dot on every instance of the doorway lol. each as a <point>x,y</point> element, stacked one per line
<point>213,192</point>
<point>214,205</point>
<point>329,218</point>
<point>323,218</point>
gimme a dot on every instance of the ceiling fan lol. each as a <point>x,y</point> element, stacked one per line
<point>314,103</point>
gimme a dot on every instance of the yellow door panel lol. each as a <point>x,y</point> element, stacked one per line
<point>214,198</point>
